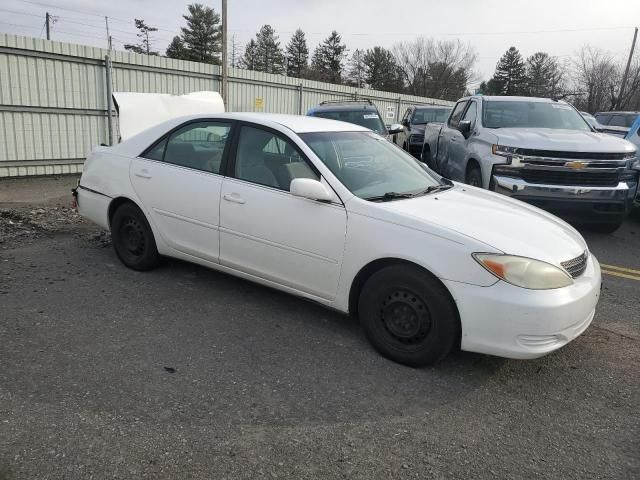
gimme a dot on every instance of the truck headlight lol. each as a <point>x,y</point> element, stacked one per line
<point>524,272</point>
<point>503,151</point>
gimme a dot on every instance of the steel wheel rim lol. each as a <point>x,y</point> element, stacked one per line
<point>405,317</point>
<point>132,237</point>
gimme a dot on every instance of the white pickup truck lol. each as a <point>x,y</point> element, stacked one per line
<point>537,150</point>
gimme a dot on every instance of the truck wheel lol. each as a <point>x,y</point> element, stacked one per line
<point>474,176</point>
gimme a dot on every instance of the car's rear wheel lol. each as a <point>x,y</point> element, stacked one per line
<point>474,176</point>
<point>408,315</point>
<point>133,239</point>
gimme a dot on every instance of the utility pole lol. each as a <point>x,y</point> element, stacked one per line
<point>225,92</point>
<point>106,22</point>
<point>48,24</point>
<point>626,70</point>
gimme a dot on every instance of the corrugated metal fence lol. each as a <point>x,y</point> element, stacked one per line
<point>53,98</point>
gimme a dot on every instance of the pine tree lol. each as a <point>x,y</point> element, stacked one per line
<point>269,56</point>
<point>202,35</point>
<point>510,76</point>
<point>297,54</point>
<point>234,52</point>
<point>250,57</point>
<point>328,58</point>
<point>176,49</point>
<point>144,47</point>
<point>544,75</point>
<point>381,69</point>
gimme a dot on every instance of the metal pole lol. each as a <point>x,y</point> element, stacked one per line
<point>398,109</point>
<point>48,24</point>
<point>106,22</point>
<point>107,65</point>
<point>225,92</point>
<point>300,93</point>
<point>626,70</point>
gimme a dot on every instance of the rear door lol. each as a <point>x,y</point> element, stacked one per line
<point>448,137</point>
<point>268,232</point>
<point>178,181</point>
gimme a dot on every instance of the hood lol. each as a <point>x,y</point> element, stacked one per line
<point>140,111</point>
<point>508,225</point>
<point>418,129</point>
<point>560,140</point>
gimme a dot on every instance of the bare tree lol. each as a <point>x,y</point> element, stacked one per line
<point>235,52</point>
<point>436,68</point>
<point>597,77</point>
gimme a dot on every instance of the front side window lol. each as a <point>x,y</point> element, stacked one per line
<point>470,114</point>
<point>457,113</point>
<point>365,118</point>
<point>269,159</point>
<point>197,145</point>
<point>524,114</point>
<point>603,118</point>
<point>370,166</point>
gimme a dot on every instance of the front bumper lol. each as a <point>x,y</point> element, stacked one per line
<point>595,204</point>
<point>415,149</point>
<point>514,322</point>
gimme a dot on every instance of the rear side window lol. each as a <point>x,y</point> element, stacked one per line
<point>603,119</point>
<point>197,145</point>
<point>457,113</point>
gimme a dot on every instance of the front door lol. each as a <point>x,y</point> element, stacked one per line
<point>267,232</point>
<point>179,180</point>
<point>448,137</point>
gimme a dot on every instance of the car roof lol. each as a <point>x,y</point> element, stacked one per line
<point>505,98</point>
<point>441,107</point>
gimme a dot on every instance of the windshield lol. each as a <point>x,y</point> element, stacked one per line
<point>365,118</point>
<point>426,115</point>
<point>370,166</point>
<point>523,114</point>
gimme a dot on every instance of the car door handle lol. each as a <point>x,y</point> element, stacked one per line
<point>234,199</point>
<point>144,173</point>
<point>453,139</point>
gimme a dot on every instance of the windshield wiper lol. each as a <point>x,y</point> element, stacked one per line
<point>433,189</point>
<point>388,196</point>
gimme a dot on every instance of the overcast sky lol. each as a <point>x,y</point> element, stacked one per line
<point>559,27</point>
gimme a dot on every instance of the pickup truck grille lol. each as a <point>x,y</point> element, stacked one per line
<point>577,178</point>
<point>571,155</point>
<point>576,266</point>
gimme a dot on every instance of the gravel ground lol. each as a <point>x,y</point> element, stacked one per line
<point>184,372</point>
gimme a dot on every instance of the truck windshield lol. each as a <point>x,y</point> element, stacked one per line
<point>523,114</point>
<point>365,118</point>
<point>426,115</point>
<point>370,166</point>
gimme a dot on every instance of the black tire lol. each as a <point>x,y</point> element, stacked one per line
<point>408,315</point>
<point>133,239</point>
<point>474,176</point>
<point>607,227</point>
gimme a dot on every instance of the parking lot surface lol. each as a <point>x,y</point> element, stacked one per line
<point>184,372</point>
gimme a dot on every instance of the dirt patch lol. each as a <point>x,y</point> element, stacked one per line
<point>27,223</point>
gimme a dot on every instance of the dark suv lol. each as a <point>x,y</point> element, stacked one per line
<point>414,121</point>
<point>360,112</point>
<point>616,123</point>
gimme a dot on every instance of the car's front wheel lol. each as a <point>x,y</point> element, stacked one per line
<point>133,239</point>
<point>408,315</point>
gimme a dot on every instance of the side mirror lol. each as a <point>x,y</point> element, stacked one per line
<point>311,189</point>
<point>464,126</point>
<point>395,128</point>
<point>406,123</point>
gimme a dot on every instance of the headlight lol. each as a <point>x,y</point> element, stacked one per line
<point>524,272</point>
<point>503,151</point>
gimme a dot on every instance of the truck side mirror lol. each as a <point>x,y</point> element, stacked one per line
<point>464,126</point>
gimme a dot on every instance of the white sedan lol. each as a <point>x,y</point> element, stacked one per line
<point>334,213</point>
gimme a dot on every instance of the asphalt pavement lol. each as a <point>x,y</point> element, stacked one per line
<point>184,372</point>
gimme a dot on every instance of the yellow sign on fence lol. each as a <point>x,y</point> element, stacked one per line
<point>259,102</point>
